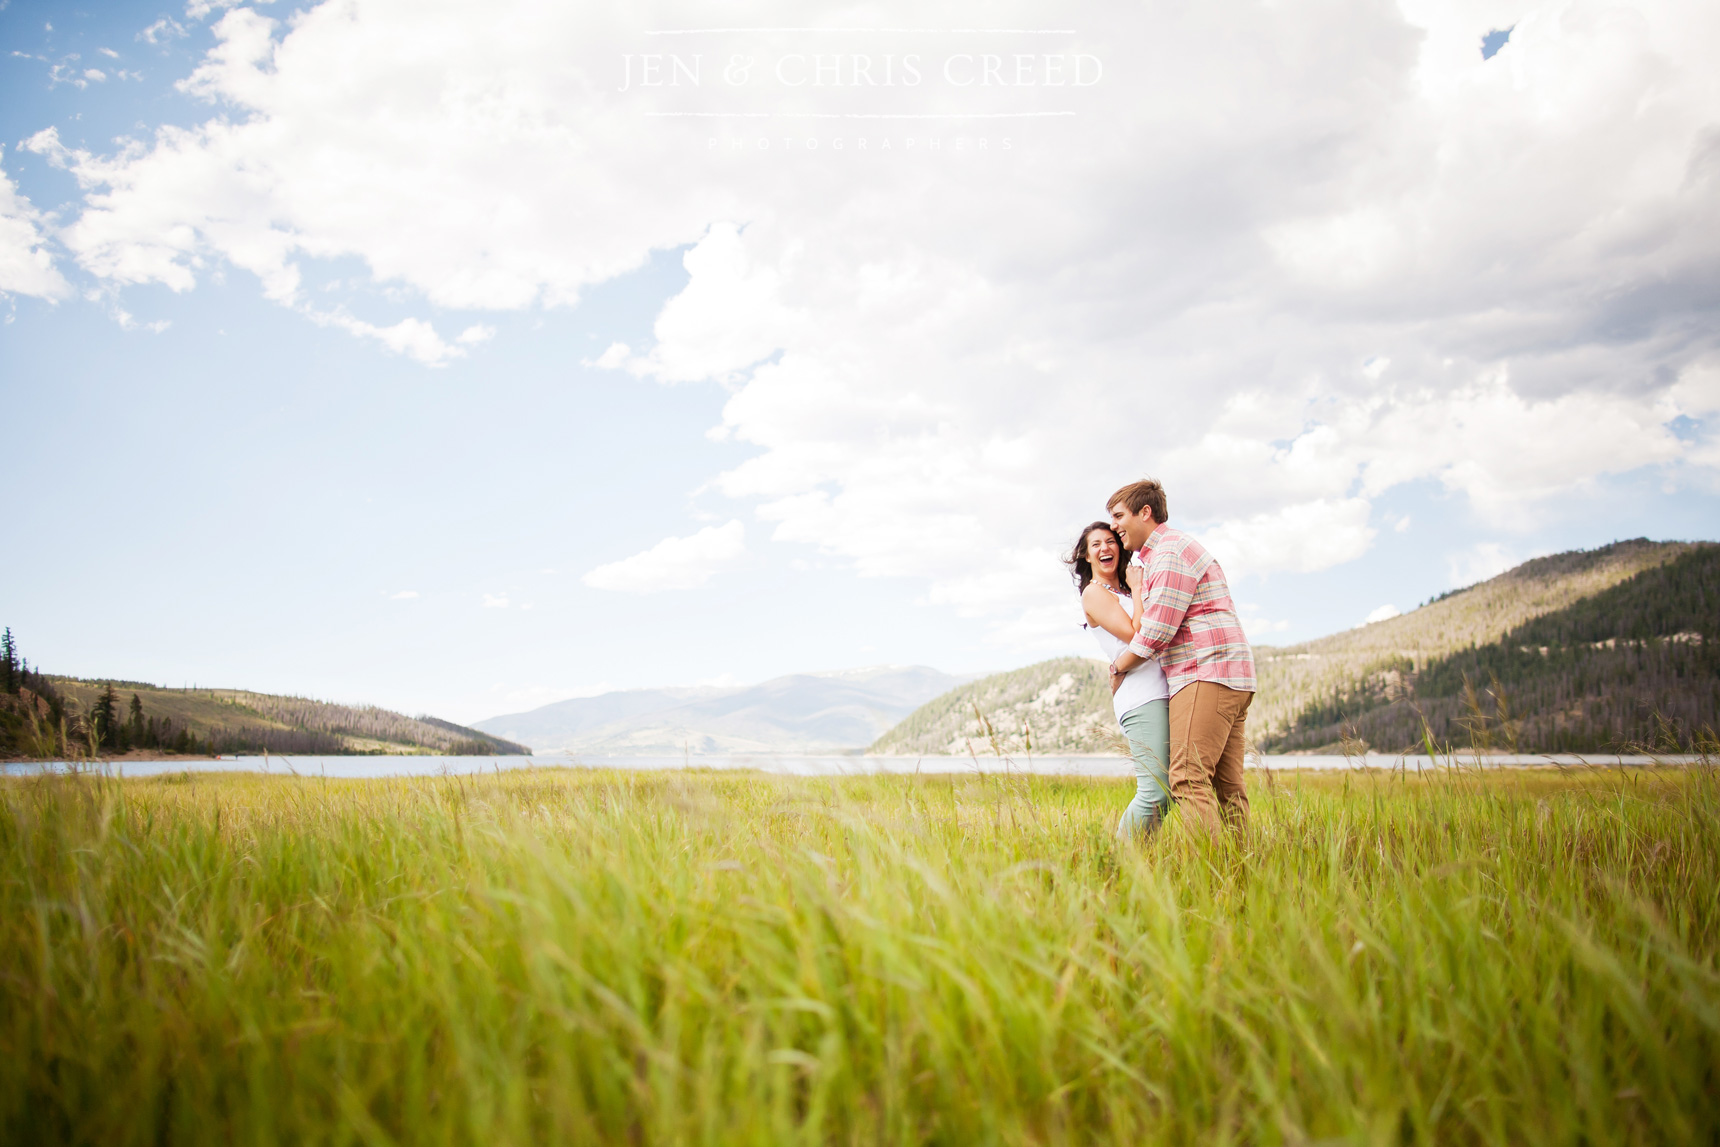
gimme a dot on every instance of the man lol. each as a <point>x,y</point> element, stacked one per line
<point>1190,624</point>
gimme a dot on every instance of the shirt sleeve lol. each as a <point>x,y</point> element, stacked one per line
<point>1170,591</point>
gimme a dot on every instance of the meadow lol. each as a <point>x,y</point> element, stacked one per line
<point>705,958</point>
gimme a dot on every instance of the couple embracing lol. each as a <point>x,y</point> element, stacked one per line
<point>1182,674</point>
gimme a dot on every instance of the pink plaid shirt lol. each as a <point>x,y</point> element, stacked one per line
<point>1189,623</point>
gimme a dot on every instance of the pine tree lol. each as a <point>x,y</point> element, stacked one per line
<point>10,675</point>
<point>136,722</point>
<point>105,713</point>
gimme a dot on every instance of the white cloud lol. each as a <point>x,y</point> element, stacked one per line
<point>128,323</point>
<point>1285,265</point>
<point>200,9</point>
<point>1254,624</point>
<point>109,53</point>
<point>1383,613</point>
<point>156,257</point>
<point>1300,538</point>
<point>66,73</point>
<point>161,31</point>
<point>26,265</point>
<point>615,356</point>
<point>495,601</point>
<point>403,595</point>
<point>413,338</point>
<point>729,317</point>
<point>674,563</point>
<point>1478,563</point>
<point>503,150</point>
<point>95,74</point>
<point>1696,396</point>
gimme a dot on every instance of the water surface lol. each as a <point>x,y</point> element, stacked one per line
<point>812,765</point>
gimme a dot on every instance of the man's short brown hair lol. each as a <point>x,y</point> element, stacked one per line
<point>1146,492</point>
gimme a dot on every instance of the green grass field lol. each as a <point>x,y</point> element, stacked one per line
<point>715,958</point>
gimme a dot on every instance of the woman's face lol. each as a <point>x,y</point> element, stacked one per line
<point>1103,552</point>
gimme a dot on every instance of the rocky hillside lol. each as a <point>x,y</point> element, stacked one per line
<point>1057,706</point>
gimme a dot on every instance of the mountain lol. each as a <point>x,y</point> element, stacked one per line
<point>1579,651</point>
<point>47,716</point>
<point>1634,662</point>
<point>803,712</point>
<point>1294,677</point>
<point>1057,706</point>
<point>238,720</point>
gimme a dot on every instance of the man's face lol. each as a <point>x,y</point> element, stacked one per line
<point>1135,528</point>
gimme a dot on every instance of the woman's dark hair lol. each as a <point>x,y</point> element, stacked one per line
<point>1082,570</point>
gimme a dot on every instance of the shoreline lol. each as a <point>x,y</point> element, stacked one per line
<point>1096,765</point>
<point>132,755</point>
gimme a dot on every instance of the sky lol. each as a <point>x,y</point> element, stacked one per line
<point>460,358</point>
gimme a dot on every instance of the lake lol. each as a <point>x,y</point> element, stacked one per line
<point>796,765</point>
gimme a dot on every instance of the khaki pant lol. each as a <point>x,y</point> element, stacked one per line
<point>1206,754</point>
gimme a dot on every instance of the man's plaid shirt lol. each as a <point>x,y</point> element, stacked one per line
<point>1189,623</point>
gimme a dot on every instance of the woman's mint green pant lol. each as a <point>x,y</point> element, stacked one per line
<point>1148,729</point>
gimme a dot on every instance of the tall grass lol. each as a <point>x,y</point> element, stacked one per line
<point>701,958</point>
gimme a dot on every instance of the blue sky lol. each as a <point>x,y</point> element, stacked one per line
<point>853,403</point>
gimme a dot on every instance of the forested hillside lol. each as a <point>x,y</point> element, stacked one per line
<point>1373,658</point>
<point>48,717</point>
<point>1635,663</point>
<point>1057,706</point>
<point>1581,651</point>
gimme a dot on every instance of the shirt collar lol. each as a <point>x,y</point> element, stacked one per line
<point>1156,536</point>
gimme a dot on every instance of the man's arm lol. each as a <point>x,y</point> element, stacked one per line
<point>1120,668</point>
<point>1138,591</point>
<point>1134,577</point>
<point>1170,591</point>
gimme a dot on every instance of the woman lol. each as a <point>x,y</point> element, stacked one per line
<point>1142,700</point>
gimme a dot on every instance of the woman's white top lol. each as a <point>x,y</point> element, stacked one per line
<point>1145,682</point>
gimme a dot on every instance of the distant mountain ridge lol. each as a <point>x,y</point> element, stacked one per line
<point>1573,652</point>
<point>804,712</point>
<point>53,716</point>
